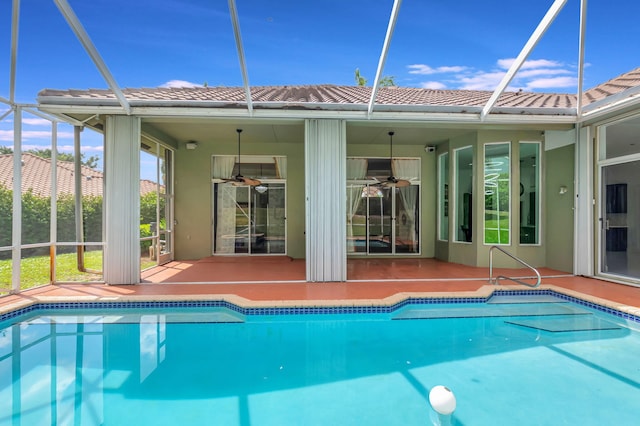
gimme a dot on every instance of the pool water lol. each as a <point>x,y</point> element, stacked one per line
<point>507,364</point>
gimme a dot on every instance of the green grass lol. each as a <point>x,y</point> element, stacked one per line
<point>34,270</point>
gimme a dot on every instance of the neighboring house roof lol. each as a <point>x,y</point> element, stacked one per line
<point>36,177</point>
<point>345,98</point>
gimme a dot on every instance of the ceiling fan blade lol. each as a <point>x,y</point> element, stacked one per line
<point>392,182</point>
<point>240,180</point>
<point>252,182</point>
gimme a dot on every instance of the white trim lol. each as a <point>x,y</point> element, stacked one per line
<point>543,26</point>
<point>15,20</point>
<point>383,55</point>
<point>16,229</point>
<point>53,226</point>
<point>280,110</point>
<point>239,46</point>
<point>583,31</point>
<point>84,39</point>
<point>583,262</point>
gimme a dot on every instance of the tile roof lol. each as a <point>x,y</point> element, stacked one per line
<point>36,176</point>
<point>614,86</point>
<point>328,96</point>
<point>319,94</point>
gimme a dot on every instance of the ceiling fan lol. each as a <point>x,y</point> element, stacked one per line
<point>392,181</point>
<point>239,180</point>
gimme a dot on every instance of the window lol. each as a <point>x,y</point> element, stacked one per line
<point>463,194</point>
<point>529,192</point>
<point>443,197</point>
<point>497,163</point>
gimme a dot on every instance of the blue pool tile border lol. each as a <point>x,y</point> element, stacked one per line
<point>308,310</point>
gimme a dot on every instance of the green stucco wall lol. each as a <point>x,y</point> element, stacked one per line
<point>193,204</point>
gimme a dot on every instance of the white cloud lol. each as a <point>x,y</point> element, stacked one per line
<point>423,69</point>
<point>550,83</point>
<point>534,63</point>
<point>541,71</point>
<point>84,149</point>
<point>435,85</point>
<point>481,81</point>
<point>36,121</point>
<point>535,74</point>
<point>7,135</point>
<point>180,84</point>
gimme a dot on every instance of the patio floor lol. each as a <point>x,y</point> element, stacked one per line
<point>279,281</point>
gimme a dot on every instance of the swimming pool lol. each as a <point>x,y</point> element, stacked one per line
<point>526,360</point>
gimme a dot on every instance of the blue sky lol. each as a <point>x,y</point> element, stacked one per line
<point>437,44</point>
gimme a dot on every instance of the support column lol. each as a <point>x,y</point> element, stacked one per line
<point>122,200</point>
<point>326,199</point>
<point>584,249</point>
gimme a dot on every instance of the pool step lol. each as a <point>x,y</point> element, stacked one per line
<point>534,298</point>
<point>484,310</point>
<point>565,324</point>
<point>145,316</point>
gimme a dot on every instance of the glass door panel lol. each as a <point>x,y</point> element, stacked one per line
<point>407,220</point>
<point>619,215</point>
<point>165,206</point>
<point>380,222</point>
<point>250,220</point>
<point>242,229</point>
<point>268,219</point>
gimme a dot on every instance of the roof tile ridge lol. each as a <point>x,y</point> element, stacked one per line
<point>619,77</point>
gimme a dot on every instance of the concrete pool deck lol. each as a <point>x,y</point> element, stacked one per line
<point>279,282</point>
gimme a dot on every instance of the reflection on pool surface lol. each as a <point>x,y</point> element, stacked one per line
<point>547,362</point>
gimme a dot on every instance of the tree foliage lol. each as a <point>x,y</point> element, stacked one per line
<point>386,81</point>
<point>360,80</point>
<point>36,220</point>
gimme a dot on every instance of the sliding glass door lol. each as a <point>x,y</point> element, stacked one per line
<point>382,220</point>
<point>249,219</point>
<point>619,196</point>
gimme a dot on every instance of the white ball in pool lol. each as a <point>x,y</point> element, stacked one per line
<point>442,400</point>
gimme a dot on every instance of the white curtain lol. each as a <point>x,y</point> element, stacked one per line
<point>281,167</point>
<point>226,219</point>
<point>223,166</point>
<point>408,169</point>
<point>356,170</point>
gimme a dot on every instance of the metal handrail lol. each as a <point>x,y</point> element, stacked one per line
<point>495,281</point>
